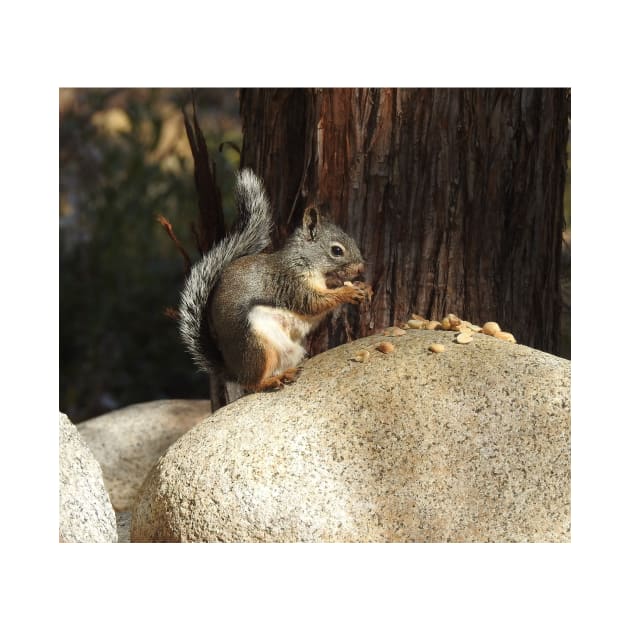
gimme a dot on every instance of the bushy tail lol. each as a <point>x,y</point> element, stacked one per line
<point>250,236</point>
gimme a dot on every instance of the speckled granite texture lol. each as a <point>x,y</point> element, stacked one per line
<point>85,512</point>
<point>472,444</point>
<point>127,442</point>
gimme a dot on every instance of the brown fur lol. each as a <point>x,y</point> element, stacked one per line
<point>293,279</point>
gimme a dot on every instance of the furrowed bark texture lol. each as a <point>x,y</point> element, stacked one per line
<point>454,196</point>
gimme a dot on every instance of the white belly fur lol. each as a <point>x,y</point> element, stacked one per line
<point>284,331</point>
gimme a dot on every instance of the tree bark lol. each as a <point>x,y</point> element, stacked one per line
<point>453,195</point>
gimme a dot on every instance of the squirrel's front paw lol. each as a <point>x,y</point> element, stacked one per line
<point>359,292</point>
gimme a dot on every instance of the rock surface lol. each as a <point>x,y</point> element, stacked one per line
<point>85,512</point>
<point>123,522</point>
<point>472,444</point>
<point>127,442</point>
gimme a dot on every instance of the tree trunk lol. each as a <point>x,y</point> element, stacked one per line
<point>453,195</point>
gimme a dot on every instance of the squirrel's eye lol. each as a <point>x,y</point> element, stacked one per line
<point>335,250</point>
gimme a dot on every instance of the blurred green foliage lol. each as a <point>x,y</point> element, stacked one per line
<point>124,158</point>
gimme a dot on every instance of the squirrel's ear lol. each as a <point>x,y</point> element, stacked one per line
<point>311,222</point>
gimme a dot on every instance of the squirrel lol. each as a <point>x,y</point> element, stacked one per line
<point>244,313</point>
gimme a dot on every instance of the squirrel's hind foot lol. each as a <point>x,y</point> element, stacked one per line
<point>278,381</point>
<point>290,375</point>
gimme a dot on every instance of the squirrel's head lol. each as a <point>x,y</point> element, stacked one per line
<point>328,248</point>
